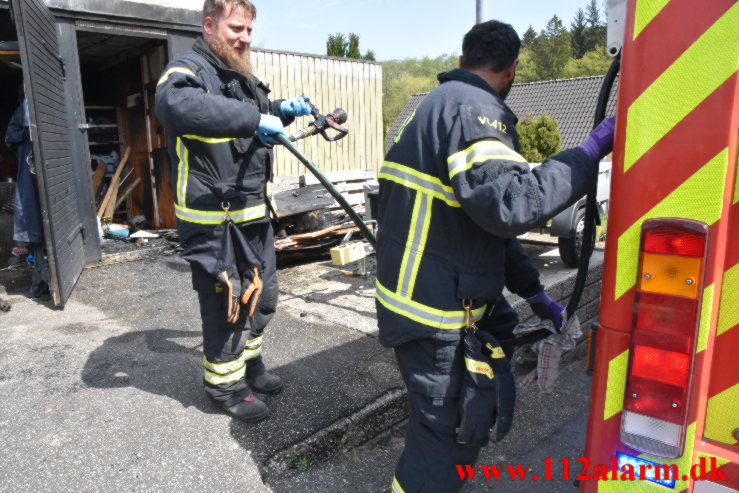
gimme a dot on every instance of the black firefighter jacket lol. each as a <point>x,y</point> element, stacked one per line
<point>211,114</point>
<point>453,191</point>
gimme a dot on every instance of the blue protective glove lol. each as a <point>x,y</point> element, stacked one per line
<point>269,125</point>
<point>296,106</point>
<point>600,141</point>
<point>546,308</point>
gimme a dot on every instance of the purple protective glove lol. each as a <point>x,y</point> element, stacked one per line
<point>546,308</point>
<point>600,141</point>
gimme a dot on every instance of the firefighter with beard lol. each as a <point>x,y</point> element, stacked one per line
<point>219,120</point>
<point>454,194</point>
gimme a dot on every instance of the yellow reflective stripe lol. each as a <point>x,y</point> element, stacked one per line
<point>646,10</point>
<point>253,348</point>
<point>480,367</point>
<point>496,352</point>
<point>415,245</point>
<point>424,314</point>
<point>209,140</point>
<point>396,486</point>
<point>254,343</point>
<point>479,152</point>
<point>183,171</point>
<point>699,198</point>
<point>705,326</point>
<point>728,316</point>
<point>175,70</point>
<point>215,379</point>
<point>616,385</point>
<point>708,63</point>
<point>217,217</point>
<point>270,196</point>
<point>224,368</point>
<point>421,182</point>
<point>722,415</point>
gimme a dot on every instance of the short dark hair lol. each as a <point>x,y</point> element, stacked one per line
<point>493,44</point>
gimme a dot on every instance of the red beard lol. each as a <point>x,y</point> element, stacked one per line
<point>239,63</point>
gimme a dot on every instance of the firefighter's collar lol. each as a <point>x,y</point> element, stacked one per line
<point>469,78</point>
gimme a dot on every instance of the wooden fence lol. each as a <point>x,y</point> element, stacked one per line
<point>354,85</point>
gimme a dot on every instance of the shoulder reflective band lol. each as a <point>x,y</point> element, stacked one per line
<point>479,152</point>
<point>411,178</point>
<point>175,70</point>
<point>423,314</point>
<point>216,217</point>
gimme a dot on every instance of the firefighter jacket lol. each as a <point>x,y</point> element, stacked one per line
<point>453,188</point>
<point>211,114</point>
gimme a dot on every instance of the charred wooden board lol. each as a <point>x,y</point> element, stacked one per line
<point>300,200</point>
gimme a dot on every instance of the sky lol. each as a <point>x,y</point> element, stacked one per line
<point>394,29</point>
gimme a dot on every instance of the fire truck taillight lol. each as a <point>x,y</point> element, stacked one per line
<point>666,321</point>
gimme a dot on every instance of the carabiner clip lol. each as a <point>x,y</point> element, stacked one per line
<point>226,206</point>
<point>469,325</point>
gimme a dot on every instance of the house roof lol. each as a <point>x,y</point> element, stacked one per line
<point>569,101</point>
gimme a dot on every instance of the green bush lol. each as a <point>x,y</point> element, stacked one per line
<point>540,137</point>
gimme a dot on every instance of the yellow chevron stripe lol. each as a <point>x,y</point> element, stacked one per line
<point>728,315</point>
<point>699,198</point>
<point>710,61</point>
<point>722,416</point>
<point>705,327</point>
<point>616,385</point>
<point>645,11</point>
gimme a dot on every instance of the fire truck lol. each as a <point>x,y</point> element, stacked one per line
<point>666,377</point>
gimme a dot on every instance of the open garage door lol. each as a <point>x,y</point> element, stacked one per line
<point>63,173</point>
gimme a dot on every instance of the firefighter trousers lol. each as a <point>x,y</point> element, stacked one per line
<point>433,372</point>
<point>232,350</point>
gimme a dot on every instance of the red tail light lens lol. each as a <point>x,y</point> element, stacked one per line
<point>666,320</point>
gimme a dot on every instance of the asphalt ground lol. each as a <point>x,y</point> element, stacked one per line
<point>105,395</point>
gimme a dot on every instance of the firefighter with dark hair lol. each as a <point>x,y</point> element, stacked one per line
<point>454,194</point>
<point>220,121</point>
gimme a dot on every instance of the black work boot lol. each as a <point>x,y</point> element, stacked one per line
<point>249,410</point>
<point>260,379</point>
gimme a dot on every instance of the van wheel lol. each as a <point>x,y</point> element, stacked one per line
<point>569,248</point>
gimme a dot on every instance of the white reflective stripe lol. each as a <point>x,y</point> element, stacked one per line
<point>183,170</point>
<point>217,217</point>
<point>411,178</point>
<point>215,379</point>
<point>424,314</point>
<point>253,343</point>
<point>479,152</point>
<point>209,140</point>
<point>396,486</point>
<point>175,70</point>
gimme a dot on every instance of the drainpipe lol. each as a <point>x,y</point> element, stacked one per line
<point>482,11</point>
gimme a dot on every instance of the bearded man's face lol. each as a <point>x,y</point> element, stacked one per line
<point>230,38</point>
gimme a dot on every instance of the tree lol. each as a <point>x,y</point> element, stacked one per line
<point>401,78</point>
<point>594,62</point>
<point>336,45</point>
<point>553,50</point>
<point>540,137</point>
<point>527,70</point>
<point>578,34</point>
<point>529,38</point>
<point>597,32</point>
<point>352,50</point>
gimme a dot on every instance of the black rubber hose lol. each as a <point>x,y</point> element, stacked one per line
<point>592,217</point>
<point>331,189</point>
